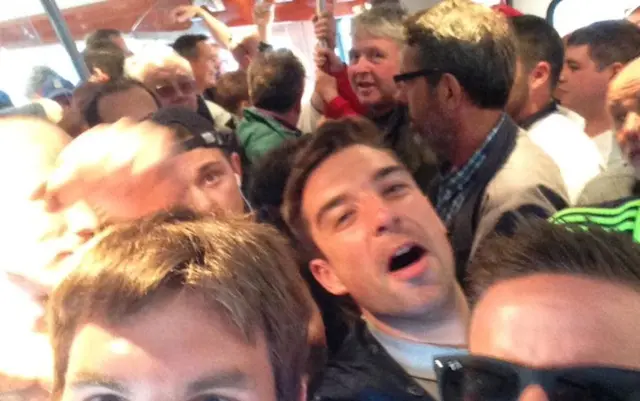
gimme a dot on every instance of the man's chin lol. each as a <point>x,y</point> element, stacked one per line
<point>369,100</point>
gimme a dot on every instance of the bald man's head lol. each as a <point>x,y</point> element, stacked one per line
<point>30,147</point>
<point>622,101</point>
<point>34,238</point>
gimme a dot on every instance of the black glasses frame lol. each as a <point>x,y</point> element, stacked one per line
<point>599,383</point>
<point>408,76</point>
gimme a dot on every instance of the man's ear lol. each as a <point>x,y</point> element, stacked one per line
<point>99,76</point>
<point>615,69</point>
<point>449,91</point>
<point>325,275</point>
<point>540,75</point>
<point>304,388</point>
<point>236,163</point>
<point>245,61</point>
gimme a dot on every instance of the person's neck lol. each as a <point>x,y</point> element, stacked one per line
<point>290,117</point>
<point>445,327</point>
<point>474,125</point>
<point>535,104</point>
<point>202,88</point>
<point>379,110</point>
<point>597,123</point>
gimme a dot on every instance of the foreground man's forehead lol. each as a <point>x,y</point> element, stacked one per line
<point>207,353</point>
<point>28,152</point>
<point>557,320</point>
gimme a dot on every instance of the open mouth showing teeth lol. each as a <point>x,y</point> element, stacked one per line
<point>406,256</point>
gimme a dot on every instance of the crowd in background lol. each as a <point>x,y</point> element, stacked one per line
<point>454,215</point>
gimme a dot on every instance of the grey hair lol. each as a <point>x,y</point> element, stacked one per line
<point>382,21</point>
<point>142,63</point>
<point>469,41</point>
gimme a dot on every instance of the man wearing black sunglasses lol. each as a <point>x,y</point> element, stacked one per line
<point>456,78</point>
<point>555,320</point>
<point>377,40</point>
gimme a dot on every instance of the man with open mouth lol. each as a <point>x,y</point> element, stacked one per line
<point>372,234</point>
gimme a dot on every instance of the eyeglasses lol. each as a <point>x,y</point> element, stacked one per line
<point>182,86</point>
<point>408,76</point>
<point>472,378</point>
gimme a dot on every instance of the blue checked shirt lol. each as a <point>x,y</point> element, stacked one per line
<point>454,186</point>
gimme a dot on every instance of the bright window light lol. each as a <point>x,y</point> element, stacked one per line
<point>29,8</point>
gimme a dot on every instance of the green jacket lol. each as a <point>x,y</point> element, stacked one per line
<point>258,133</point>
<point>621,216</point>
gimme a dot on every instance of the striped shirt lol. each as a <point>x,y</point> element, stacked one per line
<point>624,218</point>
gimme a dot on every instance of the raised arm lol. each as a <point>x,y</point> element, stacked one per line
<point>220,32</point>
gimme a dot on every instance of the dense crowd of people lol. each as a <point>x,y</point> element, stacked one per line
<point>453,215</point>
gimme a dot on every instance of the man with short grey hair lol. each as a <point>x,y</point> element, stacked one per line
<point>456,78</point>
<point>374,59</point>
<point>171,77</point>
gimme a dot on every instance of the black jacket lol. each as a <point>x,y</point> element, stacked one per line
<point>363,371</point>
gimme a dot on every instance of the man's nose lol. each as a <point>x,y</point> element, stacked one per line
<point>380,213</point>
<point>360,65</point>
<point>82,222</point>
<point>563,75</point>
<point>533,393</point>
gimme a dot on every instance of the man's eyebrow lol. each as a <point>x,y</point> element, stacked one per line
<point>331,204</point>
<point>387,171</point>
<point>83,380</point>
<point>208,166</point>
<point>340,199</point>
<point>225,379</point>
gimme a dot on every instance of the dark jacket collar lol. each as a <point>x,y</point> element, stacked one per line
<point>363,370</point>
<point>275,122</point>
<point>550,108</point>
<point>203,110</point>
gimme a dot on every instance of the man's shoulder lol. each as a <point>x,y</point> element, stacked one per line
<point>220,116</point>
<point>362,370</point>
<point>253,123</point>
<point>528,166</point>
<point>614,183</point>
<point>528,178</point>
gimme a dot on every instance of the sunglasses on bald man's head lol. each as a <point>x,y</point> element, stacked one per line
<point>182,86</point>
<point>473,378</point>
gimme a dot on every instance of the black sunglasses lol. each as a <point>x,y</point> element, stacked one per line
<point>472,378</point>
<point>408,76</point>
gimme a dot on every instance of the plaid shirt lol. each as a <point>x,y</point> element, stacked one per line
<point>454,186</point>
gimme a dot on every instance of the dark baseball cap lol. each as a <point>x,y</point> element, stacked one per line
<point>201,132</point>
<point>55,87</point>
